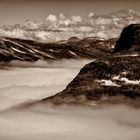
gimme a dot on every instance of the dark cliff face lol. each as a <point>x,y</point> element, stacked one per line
<point>129,39</point>
<point>112,79</point>
<point>27,50</point>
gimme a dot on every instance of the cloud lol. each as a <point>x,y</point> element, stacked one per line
<point>27,81</point>
<point>31,81</point>
<point>64,63</point>
<point>71,123</point>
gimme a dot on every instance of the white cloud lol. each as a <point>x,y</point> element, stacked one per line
<point>27,81</point>
<point>24,81</point>
<point>71,123</point>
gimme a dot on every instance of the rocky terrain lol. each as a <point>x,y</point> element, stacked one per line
<point>113,79</point>
<point>74,48</point>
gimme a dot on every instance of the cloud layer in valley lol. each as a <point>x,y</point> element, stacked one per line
<point>71,123</point>
<point>24,81</point>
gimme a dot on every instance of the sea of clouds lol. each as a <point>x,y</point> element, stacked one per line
<point>27,81</point>
<point>71,123</point>
<point>23,82</point>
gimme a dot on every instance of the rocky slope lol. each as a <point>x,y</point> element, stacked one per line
<point>112,79</point>
<point>74,48</point>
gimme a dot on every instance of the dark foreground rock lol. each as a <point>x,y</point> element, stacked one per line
<point>74,48</point>
<point>129,40</point>
<point>113,79</point>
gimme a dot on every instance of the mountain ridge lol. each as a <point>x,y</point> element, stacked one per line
<point>74,48</point>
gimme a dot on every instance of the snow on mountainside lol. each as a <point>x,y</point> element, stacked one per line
<point>61,27</point>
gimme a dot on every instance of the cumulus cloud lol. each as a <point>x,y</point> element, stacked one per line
<point>25,81</point>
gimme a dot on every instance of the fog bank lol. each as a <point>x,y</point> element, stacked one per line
<point>71,123</point>
<point>26,81</point>
<point>63,63</point>
<point>22,82</point>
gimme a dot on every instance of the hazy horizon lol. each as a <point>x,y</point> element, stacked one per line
<point>18,11</point>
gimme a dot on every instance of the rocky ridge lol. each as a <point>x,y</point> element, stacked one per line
<point>74,48</point>
<point>113,79</point>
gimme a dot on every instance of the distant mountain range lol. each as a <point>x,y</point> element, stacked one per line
<point>74,48</point>
<point>56,28</point>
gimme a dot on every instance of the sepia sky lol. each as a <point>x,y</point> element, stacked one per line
<point>17,11</point>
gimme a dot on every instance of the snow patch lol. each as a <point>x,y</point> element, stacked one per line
<point>126,80</point>
<point>107,83</point>
<point>72,53</point>
<point>17,50</point>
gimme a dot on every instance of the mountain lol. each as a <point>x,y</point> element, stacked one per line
<point>56,28</point>
<point>74,48</point>
<point>107,80</point>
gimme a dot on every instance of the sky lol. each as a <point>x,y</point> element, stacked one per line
<point>17,11</point>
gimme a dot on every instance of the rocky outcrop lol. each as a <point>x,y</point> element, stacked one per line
<point>129,39</point>
<point>74,48</point>
<point>113,79</point>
